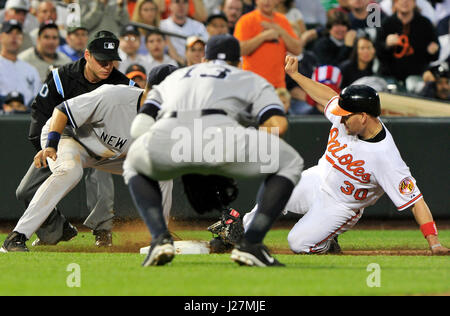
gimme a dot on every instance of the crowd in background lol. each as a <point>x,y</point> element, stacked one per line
<point>392,45</point>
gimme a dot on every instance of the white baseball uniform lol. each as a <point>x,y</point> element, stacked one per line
<point>97,136</point>
<point>351,175</point>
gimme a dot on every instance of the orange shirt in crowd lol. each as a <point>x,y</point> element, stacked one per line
<point>268,59</point>
<point>166,13</point>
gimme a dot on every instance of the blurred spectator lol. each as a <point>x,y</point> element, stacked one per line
<point>328,75</point>
<point>307,62</point>
<point>293,14</point>
<point>179,22</point>
<point>109,15</point>
<point>18,10</point>
<point>437,84</point>
<point>195,50</point>
<point>46,11</point>
<point>406,43</point>
<point>156,42</point>
<point>146,12</point>
<point>313,12</point>
<point>361,61</point>
<point>213,6</point>
<point>343,6</point>
<point>137,73</point>
<point>14,104</point>
<point>128,49</point>
<point>359,17</point>
<point>285,98</point>
<point>233,11</point>
<point>15,74</point>
<point>196,10</point>
<point>45,55</point>
<point>337,43</point>
<point>217,24</point>
<point>265,37</point>
<point>249,6</point>
<point>423,6</point>
<point>76,42</point>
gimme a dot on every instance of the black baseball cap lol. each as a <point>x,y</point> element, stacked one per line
<point>216,16</point>
<point>47,25</point>
<point>129,29</point>
<point>10,25</point>
<point>223,47</point>
<point>14,96</point>
<point>104,46</point>
<point>159,73</point>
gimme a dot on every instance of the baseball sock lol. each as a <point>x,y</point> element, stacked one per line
<point>147,197</point>
<point>272,198</point>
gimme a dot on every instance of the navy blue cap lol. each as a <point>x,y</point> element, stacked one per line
<point>50,24</point>
<point>14,96</point>
<point>159,73</point>
<point>223,47</point>
<point>10,25</point>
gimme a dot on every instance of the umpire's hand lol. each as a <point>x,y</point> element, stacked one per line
<point>40,159</point>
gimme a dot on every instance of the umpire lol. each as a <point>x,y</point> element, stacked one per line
<point>87,74</point>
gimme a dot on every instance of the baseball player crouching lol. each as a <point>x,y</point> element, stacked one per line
<point>89,131</point>
<point>208,101</point>
<point>361,163</point>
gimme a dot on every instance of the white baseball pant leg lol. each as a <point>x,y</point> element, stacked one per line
<point>323,217</point>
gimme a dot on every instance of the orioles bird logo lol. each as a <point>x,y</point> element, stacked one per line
<point>406,186</point>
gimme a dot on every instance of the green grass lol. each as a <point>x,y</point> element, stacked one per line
<point>44,270</point>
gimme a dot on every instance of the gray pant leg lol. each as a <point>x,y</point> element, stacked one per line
<point>51,230</point>
<point>100,199</point>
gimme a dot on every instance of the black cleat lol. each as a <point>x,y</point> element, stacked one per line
<point>69,233</point>
<point>103,238</point>
<point>334,246</point>
<point>161,251</point>
<point>15,242</point>
<point>249,254</point>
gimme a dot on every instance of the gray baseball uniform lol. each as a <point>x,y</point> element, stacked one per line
<point>193,141</point>
<point>97,136</point>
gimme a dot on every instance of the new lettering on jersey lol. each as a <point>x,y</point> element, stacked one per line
<point>357,173</point>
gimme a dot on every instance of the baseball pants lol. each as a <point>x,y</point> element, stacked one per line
<point>67,171</point>
<point>99,196</point>
<point>323,217</point>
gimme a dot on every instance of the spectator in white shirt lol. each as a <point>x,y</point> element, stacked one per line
<point>16,75</point>
<point>156,43</point>
<point>130,41</point>
<point>179,22</point>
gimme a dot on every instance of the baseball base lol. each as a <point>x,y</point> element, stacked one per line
<point>186,247</point>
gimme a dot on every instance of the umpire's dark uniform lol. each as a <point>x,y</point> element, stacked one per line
<point>62,84</point>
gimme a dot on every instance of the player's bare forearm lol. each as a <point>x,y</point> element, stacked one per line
<point>318,91</point>
<point>422,215</point>
<point>276,125</point>
<point>58,121</point>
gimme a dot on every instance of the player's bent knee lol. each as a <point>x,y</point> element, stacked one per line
<point>291,166</point>
<point>71,171</point>
<point>298,243</point>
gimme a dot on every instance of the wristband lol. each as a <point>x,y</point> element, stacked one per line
<point>53,140</point>
<point>429,229</point>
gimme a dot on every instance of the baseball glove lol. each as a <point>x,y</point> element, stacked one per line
<point>207,193</point>
<point>229,230</point>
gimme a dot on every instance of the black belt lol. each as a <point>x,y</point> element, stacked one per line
<point>202,113</point>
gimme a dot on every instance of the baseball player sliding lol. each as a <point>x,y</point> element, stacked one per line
<point>361,162</point>
<point>208,103</point>
<point>89,131</point>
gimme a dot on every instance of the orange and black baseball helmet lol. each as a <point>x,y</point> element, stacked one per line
<point>358,99</point>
